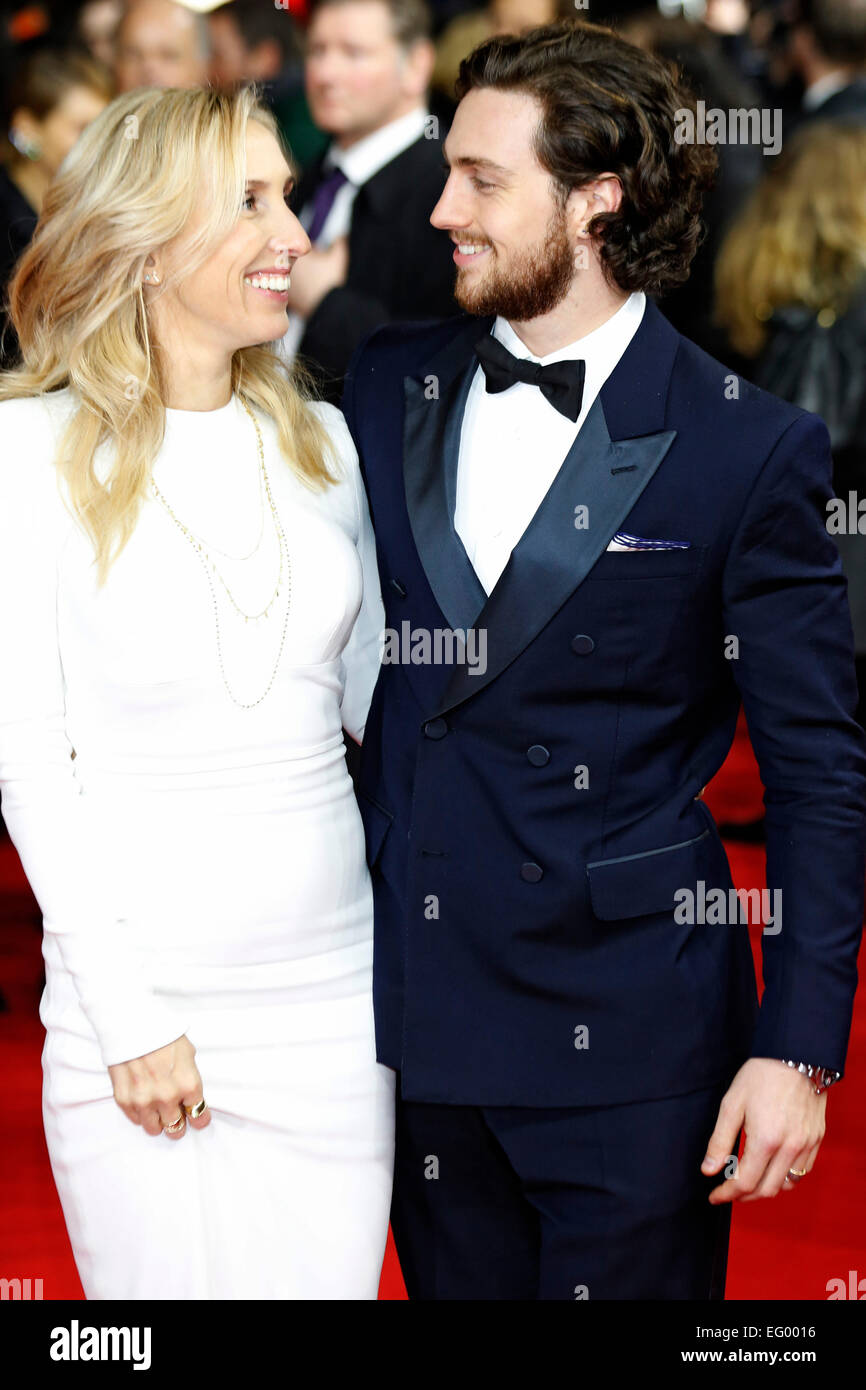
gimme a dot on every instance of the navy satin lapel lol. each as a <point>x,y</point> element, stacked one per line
<point>431,442</point>
<point>553,555</point>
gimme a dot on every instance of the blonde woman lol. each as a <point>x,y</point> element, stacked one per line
<point>800,243</point>
<point>190,613</point>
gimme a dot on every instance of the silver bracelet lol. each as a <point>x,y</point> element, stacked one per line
<point>821,1076</point>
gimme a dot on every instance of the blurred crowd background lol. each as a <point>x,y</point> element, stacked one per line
<point>363,92</point>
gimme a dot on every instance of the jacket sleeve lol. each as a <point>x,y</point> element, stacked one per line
<point>420,286</point>
<point>334,330</point>
<point>62,838</point>
<point>348,398</point>
<point>785,603</point>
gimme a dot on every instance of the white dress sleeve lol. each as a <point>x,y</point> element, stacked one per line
<point>64,849</point>
<point>362,653</point>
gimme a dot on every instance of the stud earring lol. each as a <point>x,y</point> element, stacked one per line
<point>152,279</point>
<point>30,149</point>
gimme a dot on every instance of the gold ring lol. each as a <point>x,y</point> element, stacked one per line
<point>797,1172</point>
<point>195,1110</point>
<point>177,1126</point>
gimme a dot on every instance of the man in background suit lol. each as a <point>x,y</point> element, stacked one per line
<point>366,204</point>
<point>160,44</point>
<point>252,42</point>
<point>828,50</point>
<point>594,542</point>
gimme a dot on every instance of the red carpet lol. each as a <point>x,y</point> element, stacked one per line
<point>785,1248</point>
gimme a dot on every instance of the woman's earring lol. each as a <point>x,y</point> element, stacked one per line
<point>152,279</point>
<point>28,148</point>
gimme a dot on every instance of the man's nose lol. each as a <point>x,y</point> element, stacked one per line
<point>448,211</point>
<point>323,69</point>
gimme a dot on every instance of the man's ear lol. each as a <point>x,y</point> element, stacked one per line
<point>418,67</point>
<point>605,194</point>
<point>266,60</point>
<point>802,48</point>
<point>602,194</point>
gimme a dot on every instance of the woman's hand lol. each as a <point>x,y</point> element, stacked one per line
<point>152,1090</point>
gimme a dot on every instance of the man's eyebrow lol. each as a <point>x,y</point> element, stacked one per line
<point>477,161</point>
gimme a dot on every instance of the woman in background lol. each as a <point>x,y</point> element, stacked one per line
<point>51,101</point>
<point>791,295</point>
<point>190,615</point>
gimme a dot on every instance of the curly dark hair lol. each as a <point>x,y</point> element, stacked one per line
<point>609,107</point>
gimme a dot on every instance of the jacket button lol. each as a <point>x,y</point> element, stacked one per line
<point>582,644</point>
<point>531,872</point>
<point>436,728</point>
<point>538,755</point>
<point>398,587</point>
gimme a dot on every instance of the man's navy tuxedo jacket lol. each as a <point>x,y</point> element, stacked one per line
<point>528,947</point>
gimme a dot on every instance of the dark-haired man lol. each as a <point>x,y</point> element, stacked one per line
<point>828,50</point>
<point>593,543</point>
<point>366,204</point>
<point>255,42</point>
<point>251,42</point>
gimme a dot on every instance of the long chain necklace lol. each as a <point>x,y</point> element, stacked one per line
<point>209,566</point>
<point>250,553</point>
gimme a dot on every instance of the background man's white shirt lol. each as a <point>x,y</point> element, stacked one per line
<point>825,88</point>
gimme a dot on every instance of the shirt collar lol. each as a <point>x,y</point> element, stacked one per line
<point>606,343</point>
<point>825,87</point>
<point>366,157</point>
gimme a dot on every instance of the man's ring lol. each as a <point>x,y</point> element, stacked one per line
<point>195,1110</point>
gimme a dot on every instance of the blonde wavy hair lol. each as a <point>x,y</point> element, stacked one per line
<point>801,240</point>
<point>131,185</point>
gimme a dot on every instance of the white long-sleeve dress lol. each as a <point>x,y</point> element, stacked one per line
<point>200,866</point>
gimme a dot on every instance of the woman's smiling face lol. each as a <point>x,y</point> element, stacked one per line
<point>238,296</point>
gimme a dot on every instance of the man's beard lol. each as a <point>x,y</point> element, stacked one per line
<point>535,282</point>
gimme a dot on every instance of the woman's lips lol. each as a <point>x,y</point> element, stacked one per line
<point>272,284</point>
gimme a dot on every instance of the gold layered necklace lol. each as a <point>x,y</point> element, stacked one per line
<point>210,568</point>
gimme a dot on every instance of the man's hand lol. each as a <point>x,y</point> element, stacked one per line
<point>316,274</point>
<point>784,1124</point>
<point>152,1090</point>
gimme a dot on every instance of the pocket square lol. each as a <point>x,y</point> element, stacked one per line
<point>623,541</point>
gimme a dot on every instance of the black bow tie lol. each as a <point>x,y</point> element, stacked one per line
<point>561,383</point>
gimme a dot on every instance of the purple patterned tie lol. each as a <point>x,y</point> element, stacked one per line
<point>323,201</point>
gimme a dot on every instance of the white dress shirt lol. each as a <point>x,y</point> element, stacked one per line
<point>359,163</point>
<point>825,88</point>
<point>513,443</point>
